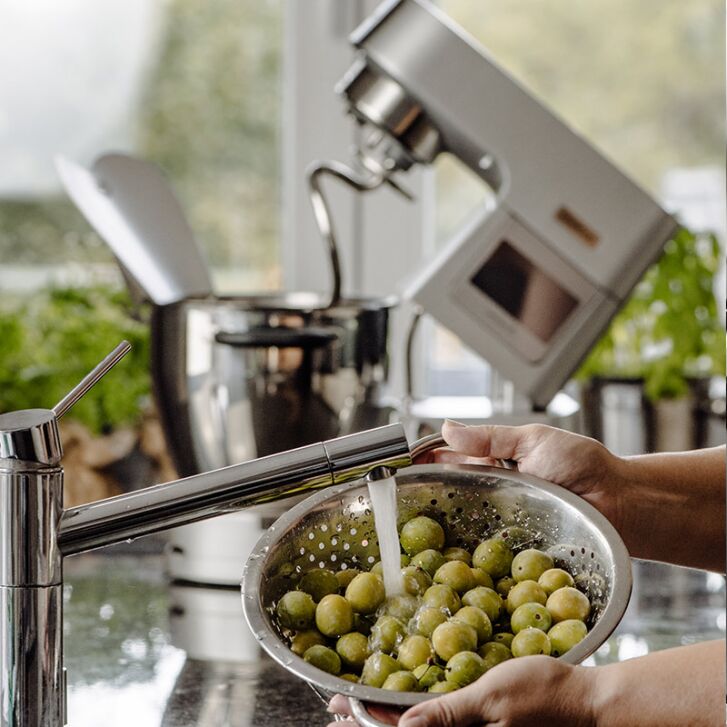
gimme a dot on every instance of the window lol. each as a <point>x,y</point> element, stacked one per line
<point>192,85</point>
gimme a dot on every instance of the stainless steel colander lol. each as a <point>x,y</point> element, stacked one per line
<point>335,529</point>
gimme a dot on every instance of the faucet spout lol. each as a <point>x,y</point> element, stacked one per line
<point>209,494</point>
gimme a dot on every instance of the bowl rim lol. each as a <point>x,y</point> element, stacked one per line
<point>281,653</point>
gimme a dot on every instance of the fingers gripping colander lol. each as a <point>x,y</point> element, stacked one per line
<point>335,529</point>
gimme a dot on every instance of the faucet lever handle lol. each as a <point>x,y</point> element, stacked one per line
<point>91,378</point>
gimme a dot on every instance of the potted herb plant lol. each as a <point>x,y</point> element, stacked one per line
<point>666,342</point>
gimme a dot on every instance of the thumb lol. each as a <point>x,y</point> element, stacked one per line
<point>484,440</point>
<point>460,708</point>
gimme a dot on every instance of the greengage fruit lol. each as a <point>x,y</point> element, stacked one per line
<point>353,648</point>
<point>401,681</point>
<point>319,583</point>
<point>334,615</point>
<point>442,596</point>
<point>430,560</point>
<point>485,599</point>
<point>465,668</point>
<point>296,610</point>
<point>414,651</point>
<point>324,658</point>
<point>493,556</point>
<point>568,603</point>
<point>377,668</point>
<point>565,635</point>
<point>456,574</point>
<point>421,533</point>
<point>451,637</point>
<point>365,593</point>
<point>530,642</point>
<point>554,578</point>
<point>525,592</point>
<point>477,619</point>
<point>530,615</point>
<point>530,564</point>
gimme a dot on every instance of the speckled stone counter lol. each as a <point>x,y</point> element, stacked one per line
<point>127,668</point>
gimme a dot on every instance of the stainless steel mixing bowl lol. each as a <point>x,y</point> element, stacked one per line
<point>335,529</point>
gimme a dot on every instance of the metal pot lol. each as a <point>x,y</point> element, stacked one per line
<point>243,377</point>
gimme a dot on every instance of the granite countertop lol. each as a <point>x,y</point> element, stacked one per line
<point>141,652</point>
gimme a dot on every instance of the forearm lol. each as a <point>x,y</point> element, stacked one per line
<point>673,507</point>
<point>682,686</point>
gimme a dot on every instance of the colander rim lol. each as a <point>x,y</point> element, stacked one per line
<point>253,607</point>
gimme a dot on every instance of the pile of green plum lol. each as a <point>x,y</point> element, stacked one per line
<point>461,613</point>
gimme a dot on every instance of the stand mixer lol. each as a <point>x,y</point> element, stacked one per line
<point>531,281</point>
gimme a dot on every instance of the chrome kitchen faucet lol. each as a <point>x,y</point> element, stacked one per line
<point>36,533</point>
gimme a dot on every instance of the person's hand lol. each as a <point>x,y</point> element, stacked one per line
<point>578,463</point>
<point>532,690</point>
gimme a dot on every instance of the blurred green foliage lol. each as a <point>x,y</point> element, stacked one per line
<point>669,330</point>
<point>51,340</point>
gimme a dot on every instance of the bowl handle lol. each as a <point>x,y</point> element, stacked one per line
<point>362,716</point>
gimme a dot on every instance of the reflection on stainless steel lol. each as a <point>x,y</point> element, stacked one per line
<point>242,378</point>
<point>267,479</point>
<point>31,640</point>
<point>91,378</point>
<point>128,654</point>
<point>336,527</point>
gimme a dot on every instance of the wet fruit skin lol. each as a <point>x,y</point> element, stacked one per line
<point>493,556</point>
<point>324,658</point>
<point>386,634</point>
<point>482,578</point>
<point>414,651</point>
<point>465,668</point>
<point>401,681</point>
<point>430,560</point>
<point>443,687</point>
<point>365,593</point>
<point>334,615</point>
<point>421,533</point>
<point>426,619</point>
<point>530,615</point>
<point>303,640</point>
<point>530,564</point>
<point>568,603</point>
<point>451,637</point>
<point>494,653</point>
<point>554,578</point>
<point>319,583</point>
<point>530,642</point>
<point>485,599</point>
<point>457,554</point>
<point>428,674</point>
<point>296,610</point>
<point>477,619</point>
<point>442,596</point>
<point>416,580</point>
<point>455,574</point>
<point>525,592</point>
<point>377,668</point>
<point>565,635</point>
<point>353,648</point>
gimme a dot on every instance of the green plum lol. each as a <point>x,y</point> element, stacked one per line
<point>296,610</point>
<point>565,635</point>
<point>334,615</point>
<point>530,642</point>
<point>530,564</point>
<point>568,603</point>
<point>324,658</point>
<point>451,637</point>
<point>493,556</point>
<point>421,533</point>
